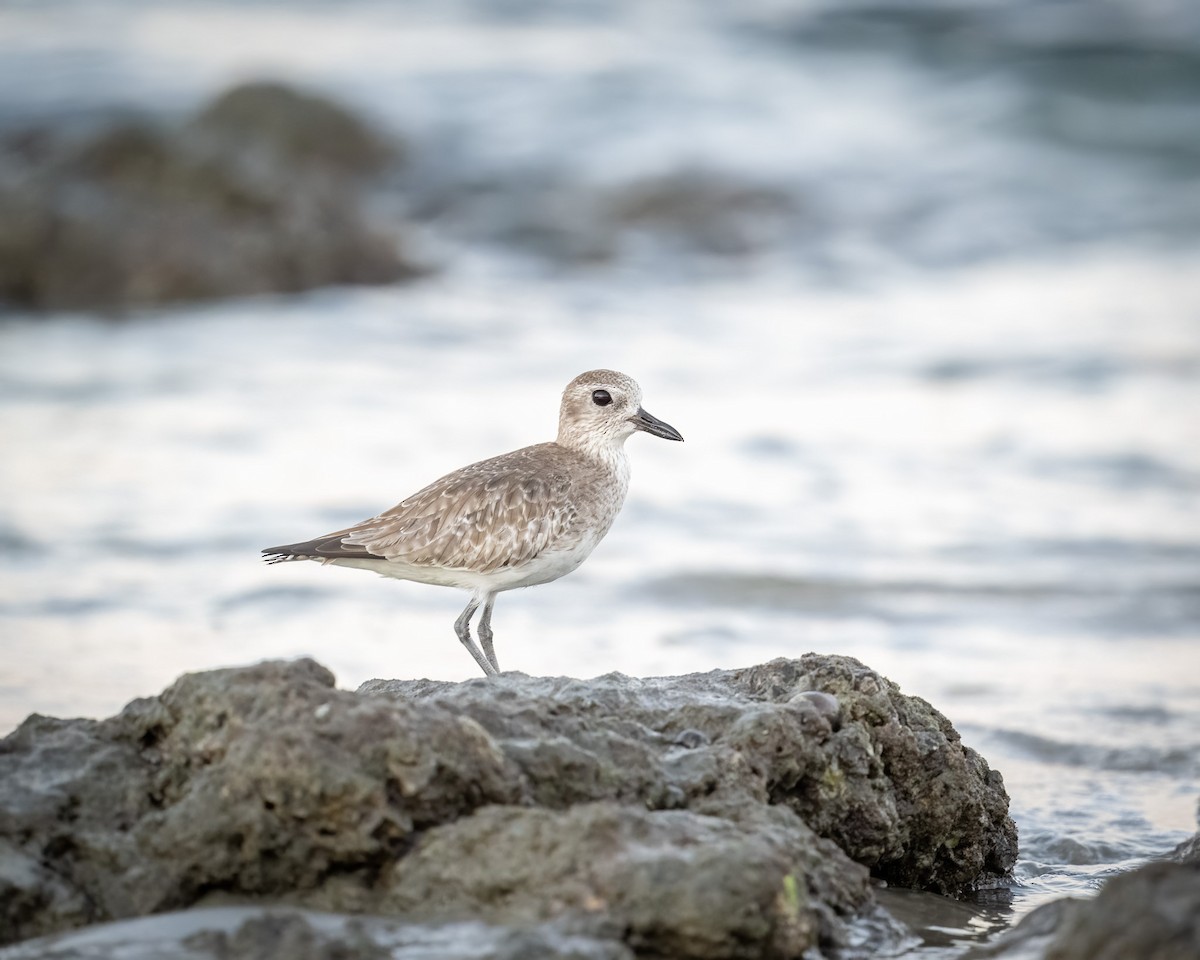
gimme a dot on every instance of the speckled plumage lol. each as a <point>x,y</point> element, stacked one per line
<point>519,519</point>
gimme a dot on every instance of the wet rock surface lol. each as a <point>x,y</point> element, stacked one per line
<point>1188,851</point>
<point>263,190</point>
<point>734,813</point>
<point>1152,913</point>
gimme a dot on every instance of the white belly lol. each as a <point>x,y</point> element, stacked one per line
<point>546,566</point>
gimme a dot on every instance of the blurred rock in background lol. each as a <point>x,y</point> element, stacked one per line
<point>260,192</point>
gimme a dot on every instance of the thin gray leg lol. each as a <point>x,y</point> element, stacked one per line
<point>485,631</point>
<point>462,626</point>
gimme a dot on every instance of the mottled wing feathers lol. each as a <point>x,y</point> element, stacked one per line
<point>496,513</point>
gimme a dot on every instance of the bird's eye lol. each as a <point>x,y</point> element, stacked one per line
<point>601,398</point>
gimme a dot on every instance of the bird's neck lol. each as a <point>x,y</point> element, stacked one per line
<point>606,451</point>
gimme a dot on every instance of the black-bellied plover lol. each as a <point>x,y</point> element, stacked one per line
<point>523,518</point>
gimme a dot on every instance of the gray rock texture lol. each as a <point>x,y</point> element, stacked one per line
<point>261,191</point>
<point>266,933</point>
<point>881,774</point>
<point>730,814</point>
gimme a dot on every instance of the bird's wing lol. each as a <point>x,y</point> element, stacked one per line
<point>497,513</point>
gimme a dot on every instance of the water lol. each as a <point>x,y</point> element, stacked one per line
<point>940,389</point>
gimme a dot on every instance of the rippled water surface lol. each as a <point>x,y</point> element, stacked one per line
<point>943,416</point>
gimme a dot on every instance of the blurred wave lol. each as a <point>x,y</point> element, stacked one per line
<point>1099,609</point>
<point>837,137</point>
<point>1176,762</point>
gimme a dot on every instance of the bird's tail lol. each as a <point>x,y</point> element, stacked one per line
<point>292,551</point>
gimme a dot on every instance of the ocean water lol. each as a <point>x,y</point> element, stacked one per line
<point>939,377</point>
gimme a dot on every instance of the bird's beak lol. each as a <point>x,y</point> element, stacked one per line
<point>651,424</point>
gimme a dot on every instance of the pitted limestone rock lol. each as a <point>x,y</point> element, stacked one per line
<point>712,815</point>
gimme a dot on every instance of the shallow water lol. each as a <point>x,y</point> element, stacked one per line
<point>949,424</point>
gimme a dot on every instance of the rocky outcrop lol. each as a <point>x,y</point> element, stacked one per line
<point>735,813</point>
<point>881,774</point>
<point>261,191</point>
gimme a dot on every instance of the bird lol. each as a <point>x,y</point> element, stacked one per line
<point>516,520</point>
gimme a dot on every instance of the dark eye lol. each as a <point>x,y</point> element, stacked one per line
<point>601,398</point>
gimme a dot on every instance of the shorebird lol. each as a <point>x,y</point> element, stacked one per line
<point>516,520</point>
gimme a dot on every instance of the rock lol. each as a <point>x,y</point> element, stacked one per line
<point>1188,851</point>
<point>255,933</point>
<point>713,815</point>
<point>706,211</point>
<point>539,212</point>
<point>1152,913</point>
<point>676,883</point>
<point>886,778</point>
<point>260,193</point>
<point>554,215</point>
<point>299,127</point>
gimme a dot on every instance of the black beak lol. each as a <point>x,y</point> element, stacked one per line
<point>651,424</point>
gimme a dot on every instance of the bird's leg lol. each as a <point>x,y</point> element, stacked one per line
<point>462,626</point>
<point>484,630</point>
